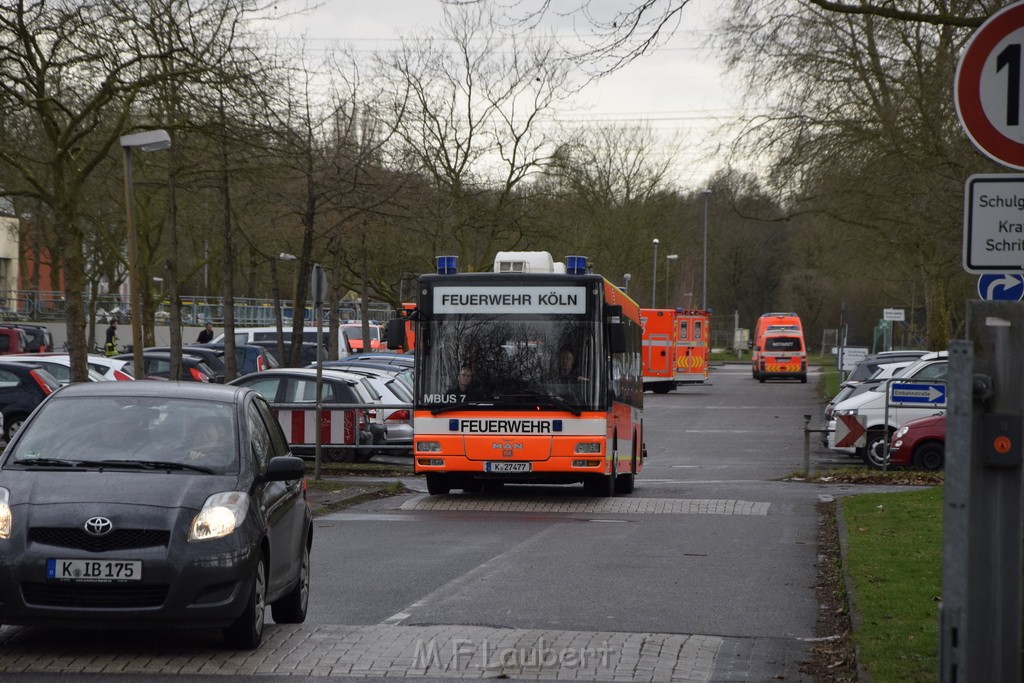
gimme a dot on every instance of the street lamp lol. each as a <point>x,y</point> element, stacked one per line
<point>668,271</point>
<point>707,193</point>
<point>654,280</point>
<point>146,141</point>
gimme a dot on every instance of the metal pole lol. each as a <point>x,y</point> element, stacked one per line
<point>133,265</point>
<point>706,194</point>
<point>654,280</point>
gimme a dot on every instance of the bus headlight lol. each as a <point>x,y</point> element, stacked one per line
<point>588,447</point>
<point>428,447</point>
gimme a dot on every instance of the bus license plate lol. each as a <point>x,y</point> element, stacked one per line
<point>507,467</point>
<point>93,570</point>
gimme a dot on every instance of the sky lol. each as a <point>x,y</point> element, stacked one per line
<point>679,90</point>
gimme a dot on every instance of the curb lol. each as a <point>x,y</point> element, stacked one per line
<point>851,597</point>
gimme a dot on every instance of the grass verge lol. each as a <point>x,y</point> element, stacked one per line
<point>894,563</point>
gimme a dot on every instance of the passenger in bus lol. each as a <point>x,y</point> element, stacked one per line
<point>466,384</point>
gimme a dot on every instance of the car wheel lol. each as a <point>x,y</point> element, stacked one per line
<point>340,454</point>
<point>761,379</point>
<point>875,451</point>
<point>803,379</point>
<point>661,388</point>
<point>438,484</point>
<point>930,456</point>
<point>291,609</point>
<point>246,633</point>
<point>12,425</point>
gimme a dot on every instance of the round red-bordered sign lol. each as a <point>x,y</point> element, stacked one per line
<point>989,90</point>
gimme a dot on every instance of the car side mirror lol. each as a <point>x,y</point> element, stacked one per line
<point>285,468</point>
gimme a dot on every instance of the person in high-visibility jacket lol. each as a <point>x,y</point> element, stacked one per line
<point>110,345</point>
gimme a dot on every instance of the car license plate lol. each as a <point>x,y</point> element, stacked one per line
<point>93,570</point>
<point>508,467</point>
<point>782,359</point>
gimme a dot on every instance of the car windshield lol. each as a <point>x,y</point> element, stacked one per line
<point>129,431</point>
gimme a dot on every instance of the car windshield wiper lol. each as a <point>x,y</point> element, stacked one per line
<point>51,462</point>
<point>154,465</point>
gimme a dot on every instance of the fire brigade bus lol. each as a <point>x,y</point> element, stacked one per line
<point>529,374</point>
<point>675,347</point>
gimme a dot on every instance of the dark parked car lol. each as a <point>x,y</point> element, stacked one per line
<point>23,386</point>
<point>248,357</point>
<point>40,340</point>
<point>308,352</point>
<point>920,443</point>
<point>158,366</point>
<point>120,519</point>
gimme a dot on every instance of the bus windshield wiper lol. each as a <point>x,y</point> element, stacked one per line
<point>543,399</point>
<point>448,407</point>
<point>154,465</point>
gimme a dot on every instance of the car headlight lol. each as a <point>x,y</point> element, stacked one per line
<point>900,432</point>
<point>222,513</point>
<point>5,513</point>
<point>848,411</point>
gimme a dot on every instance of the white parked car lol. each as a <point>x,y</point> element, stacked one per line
<point>931,369</point>
<point>111,368</point>
<point>57,364</point>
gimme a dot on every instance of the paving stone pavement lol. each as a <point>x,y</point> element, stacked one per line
<point>445,651</point>
<point>625,505</point>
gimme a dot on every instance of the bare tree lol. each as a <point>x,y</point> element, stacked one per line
<point>469,112</point>
<point>71,75</point>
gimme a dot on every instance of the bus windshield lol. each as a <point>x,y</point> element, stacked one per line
<point>507,361</point>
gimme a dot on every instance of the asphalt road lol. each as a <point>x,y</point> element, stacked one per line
<point>706,572</point>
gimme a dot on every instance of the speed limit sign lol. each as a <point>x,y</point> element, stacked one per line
<point>988,87</point>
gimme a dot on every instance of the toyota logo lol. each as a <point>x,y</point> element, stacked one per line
<point>98,526</point>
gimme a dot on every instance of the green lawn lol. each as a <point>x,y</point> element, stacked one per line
<point>894,562</point>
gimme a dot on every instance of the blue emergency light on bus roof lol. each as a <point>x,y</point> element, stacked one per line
<point>576,265</point>
<point>447,265</point>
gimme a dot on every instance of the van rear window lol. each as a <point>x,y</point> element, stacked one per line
<point>790,344</point>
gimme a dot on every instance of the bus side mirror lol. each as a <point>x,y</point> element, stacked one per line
<point>395,333</point>
<point>616,337</point>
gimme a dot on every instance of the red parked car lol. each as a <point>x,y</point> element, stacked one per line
<point>920,443</point>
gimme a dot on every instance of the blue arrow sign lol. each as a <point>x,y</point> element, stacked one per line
<point>1001,287</point>
<point>918,394</point>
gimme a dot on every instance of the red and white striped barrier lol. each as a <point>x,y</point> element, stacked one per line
<point>337,427</point>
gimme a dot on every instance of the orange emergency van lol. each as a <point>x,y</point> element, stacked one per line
<point>693,334</point>
<point>773,324</point>
<point>659,348</point>
<point>675,347</point>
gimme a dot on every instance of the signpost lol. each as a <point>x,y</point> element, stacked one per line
<point>896,315</point>
<point>994,223</point>
<point>1001,287</point>
<point>850,356</point>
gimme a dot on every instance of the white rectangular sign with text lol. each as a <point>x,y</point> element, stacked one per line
<point>505,300</point>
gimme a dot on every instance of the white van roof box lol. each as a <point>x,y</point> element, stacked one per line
<point>526,262</point>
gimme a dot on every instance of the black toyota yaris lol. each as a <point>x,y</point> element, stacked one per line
<point>153,503</point>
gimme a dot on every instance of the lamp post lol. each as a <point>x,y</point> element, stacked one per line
<point>654,280</point>
<point>668,271</point>
<point>146,141</point>
<point>707,193</point>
